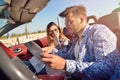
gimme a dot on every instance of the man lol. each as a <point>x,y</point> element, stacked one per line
<point>94,48</point>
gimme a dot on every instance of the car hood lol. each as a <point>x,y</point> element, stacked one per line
<point>18,12</point>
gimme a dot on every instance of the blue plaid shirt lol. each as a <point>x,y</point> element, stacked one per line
<point>96,54</point>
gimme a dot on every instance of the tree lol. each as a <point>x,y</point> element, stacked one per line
<point>117,9</point>
<point>26,30</point>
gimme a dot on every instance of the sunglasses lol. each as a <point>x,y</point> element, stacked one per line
<point>68,22</point>
<point>52,31</point>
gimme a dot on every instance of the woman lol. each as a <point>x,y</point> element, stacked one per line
<point>57,42</point>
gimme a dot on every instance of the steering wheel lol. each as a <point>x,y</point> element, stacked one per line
<point>13,67</point>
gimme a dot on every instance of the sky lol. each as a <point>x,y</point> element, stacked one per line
<point>54,7</point>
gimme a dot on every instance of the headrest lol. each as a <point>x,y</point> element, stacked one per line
<point>112,21</point>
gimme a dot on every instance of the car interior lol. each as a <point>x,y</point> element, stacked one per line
<point>14,55</point>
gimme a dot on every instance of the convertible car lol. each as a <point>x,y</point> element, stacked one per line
<point>16,11</point>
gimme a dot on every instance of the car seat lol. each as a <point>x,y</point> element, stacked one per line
<point>112,21</point>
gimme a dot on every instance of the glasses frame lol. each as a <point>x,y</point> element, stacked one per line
<point>52,31</point>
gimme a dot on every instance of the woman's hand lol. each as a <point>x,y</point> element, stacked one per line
<point>48,49</point>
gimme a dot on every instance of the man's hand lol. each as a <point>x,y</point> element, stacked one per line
<point>54,61</point>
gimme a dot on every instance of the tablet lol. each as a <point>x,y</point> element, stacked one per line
<point>34,49</point>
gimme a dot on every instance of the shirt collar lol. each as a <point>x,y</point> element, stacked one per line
<point>81,35</point>
<point>85,30</point>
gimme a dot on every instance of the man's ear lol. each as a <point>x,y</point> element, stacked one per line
<point>81,18</point>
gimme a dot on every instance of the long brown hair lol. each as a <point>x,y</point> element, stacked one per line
<point>49,37</point>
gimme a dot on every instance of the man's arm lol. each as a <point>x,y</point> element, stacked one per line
<point>103,48</point>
